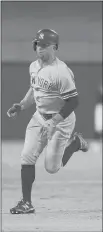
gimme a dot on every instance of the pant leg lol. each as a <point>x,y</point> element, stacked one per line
<point>35,141</point>
<point>56,146</point>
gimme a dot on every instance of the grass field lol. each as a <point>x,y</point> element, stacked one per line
<point>70,200</point>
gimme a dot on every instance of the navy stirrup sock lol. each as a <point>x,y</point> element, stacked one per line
<point>27,179</point>
<point>73,147</point>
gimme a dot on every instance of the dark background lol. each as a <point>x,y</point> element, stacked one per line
<point>79,25</point>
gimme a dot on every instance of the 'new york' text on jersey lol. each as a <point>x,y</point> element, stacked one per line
<point>51,84</point>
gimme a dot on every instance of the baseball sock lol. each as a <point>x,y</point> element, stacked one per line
<point>73,147</point>
<point>27,179</point>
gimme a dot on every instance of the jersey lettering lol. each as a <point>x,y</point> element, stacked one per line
<point>43,83</point>
<point>52,85</point>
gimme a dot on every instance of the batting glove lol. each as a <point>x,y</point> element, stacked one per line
<point>14,110</point>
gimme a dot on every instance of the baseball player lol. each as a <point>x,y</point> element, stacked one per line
<point>51,126</point>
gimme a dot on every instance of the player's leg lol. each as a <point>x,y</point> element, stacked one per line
<point>62,146</point>
<point>35,141</point>
<point>54,152</point>
<point>56,146</point>
<point>75,140</point>
<point>75,144</point>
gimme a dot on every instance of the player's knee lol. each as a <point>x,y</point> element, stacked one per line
<point>27,159</point>
<point>51,169</point>
<point>27,162</point>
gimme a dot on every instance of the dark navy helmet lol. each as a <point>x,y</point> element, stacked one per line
<point>46,37</point>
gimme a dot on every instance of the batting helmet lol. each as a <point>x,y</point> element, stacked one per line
<point>46,37</point>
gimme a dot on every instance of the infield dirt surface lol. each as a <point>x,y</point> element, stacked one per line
<point>70,200</point>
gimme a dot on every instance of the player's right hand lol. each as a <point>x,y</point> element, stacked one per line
<point>14,110</point>
<point>51,127</point>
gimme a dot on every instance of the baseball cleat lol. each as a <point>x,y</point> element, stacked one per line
<point>83,143</point>
<point>22,208</point>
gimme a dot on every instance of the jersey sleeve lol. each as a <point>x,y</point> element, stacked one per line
<point>67,88</point>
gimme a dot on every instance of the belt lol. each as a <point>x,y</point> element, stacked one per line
<point>47,116</point>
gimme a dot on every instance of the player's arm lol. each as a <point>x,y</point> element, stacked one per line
<point>69,106</point>
<point>69,94</point>
<point>27,101</point>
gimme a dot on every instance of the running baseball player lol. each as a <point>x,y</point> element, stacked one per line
<point>52,125</point>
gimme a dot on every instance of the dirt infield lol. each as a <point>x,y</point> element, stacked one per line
<point>70,200</point>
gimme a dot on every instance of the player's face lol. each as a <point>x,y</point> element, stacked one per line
<point>44,52</point>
